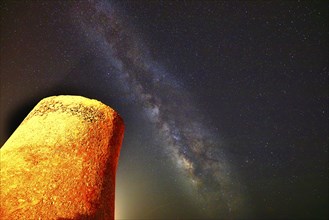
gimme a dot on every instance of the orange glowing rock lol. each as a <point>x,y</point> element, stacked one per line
<point>61,161</point>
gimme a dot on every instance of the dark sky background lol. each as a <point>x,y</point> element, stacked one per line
<point>225,103</point>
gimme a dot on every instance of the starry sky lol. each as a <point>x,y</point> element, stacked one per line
<point>225,102</point>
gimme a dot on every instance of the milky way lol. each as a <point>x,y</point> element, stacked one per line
<point>194,148</point>
<point>225,103</point>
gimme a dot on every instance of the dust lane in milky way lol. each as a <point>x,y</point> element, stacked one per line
<point>194,148</point>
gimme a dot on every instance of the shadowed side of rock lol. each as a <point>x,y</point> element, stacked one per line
<point>61,162</point>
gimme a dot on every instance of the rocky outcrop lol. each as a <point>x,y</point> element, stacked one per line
<point>61,161</point>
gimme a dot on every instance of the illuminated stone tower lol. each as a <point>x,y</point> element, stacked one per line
<point>61,161</point>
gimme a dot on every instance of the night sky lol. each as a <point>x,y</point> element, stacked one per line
<point>225,103</point>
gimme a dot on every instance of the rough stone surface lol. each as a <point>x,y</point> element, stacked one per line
<point>61,161</point>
